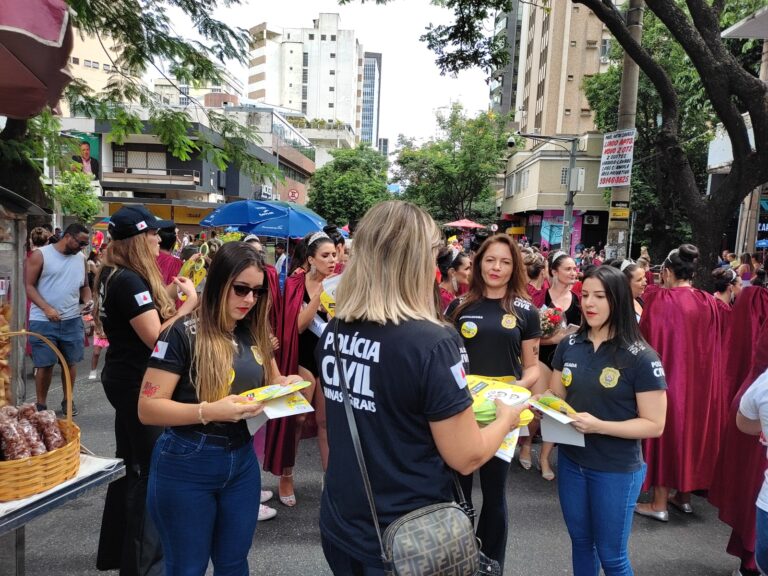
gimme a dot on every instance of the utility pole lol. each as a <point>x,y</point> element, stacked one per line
<point>618,228</point>
<point>573,179</point>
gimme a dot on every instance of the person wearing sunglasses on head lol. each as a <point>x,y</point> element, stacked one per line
<point>57,281</point>
<point>205,480</point>
<point>133,306</point>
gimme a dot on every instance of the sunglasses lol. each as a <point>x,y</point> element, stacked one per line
<point>243,291</point>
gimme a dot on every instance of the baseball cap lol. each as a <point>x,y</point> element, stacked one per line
<point>132,220</point>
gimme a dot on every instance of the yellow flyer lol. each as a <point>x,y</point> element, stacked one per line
<point>291,404</point>
<point>328,295</point>
<point>266,393</point>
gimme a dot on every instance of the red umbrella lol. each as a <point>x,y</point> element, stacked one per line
<point>35,42</point>
<point>463,223</point>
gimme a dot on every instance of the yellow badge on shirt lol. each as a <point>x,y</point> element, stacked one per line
<point>566,377</point>
<point>257,355</point>
<point>469,329</point>
<point>609,377</point>
<point>509,321</point>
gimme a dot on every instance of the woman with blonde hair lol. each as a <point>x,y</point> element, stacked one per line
<point>205,481</point>
<point>406,379</point>
<point>132,307</point>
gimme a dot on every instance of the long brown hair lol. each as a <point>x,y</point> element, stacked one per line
<point>516,287</point>
<point>135,254</point>
<point>213,352</point>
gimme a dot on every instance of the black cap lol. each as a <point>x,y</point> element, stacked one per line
<point>132,220</point>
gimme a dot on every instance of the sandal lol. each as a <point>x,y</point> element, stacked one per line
<point>290,499</point>
<point>525,463</point>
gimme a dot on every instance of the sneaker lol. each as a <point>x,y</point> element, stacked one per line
<point>75,412</point>
<point>92,375</point>
<point>266,496</point>
<point>266,513</point>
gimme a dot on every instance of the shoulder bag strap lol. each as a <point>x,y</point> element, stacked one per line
<point>356,439</point>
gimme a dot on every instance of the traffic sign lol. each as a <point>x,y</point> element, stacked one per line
<point>293,195</point>
<point>494,227</point>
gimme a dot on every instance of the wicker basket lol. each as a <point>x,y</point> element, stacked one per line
<point>28,476</point>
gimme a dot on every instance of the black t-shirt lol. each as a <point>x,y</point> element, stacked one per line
<point>604,383</point>
<point>308,339</point>
<point>494,338</point>
<point>401,379</point>
<point>572,316</point>
<point>124,295</point>
<point>173,353</point>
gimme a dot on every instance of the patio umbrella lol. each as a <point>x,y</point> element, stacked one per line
<point>295,222</point>
<point>463,223</point>
<point>35,42</point>
<point>243,213</point>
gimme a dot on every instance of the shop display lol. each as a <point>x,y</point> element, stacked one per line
<point>25,432</point>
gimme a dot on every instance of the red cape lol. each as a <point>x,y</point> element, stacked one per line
<point>741,466</point>
<point>683,326</point>
<point>749,313</point>
<point>279,446</point>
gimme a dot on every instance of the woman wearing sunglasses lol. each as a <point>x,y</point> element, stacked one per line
<point>205,481</point>
<point>132,307</point>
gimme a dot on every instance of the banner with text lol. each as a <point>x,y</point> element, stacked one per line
<point>616,161</point>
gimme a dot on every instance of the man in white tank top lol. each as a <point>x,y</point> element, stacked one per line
<point>57,281</point>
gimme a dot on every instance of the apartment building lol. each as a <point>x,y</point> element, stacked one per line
<point>371,98</point>
<point>503,82</point>
<point>228,91</point>
<point>316,71</point>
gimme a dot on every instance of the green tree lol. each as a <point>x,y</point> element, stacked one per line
<point>730,89</point>
<point>76,196</point>
<point>452,176</point>
<point>145,36</point>
<point>345,188</point>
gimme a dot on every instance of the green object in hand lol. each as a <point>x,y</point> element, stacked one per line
<point>485,412</point>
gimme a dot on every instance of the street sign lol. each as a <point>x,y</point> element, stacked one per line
<point>293,195</point>
<point>620,213</point>
<point>494,227</point>
<point>616,161</point>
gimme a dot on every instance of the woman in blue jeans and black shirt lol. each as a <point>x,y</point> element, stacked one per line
<point>204,484</point>
<point>615,382</point>
<point>501,330</point>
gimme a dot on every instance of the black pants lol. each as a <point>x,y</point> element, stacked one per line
<point>493,523</point>
<point>342,564</point>
<point>129,540</point>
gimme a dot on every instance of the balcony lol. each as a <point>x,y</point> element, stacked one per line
<point>175,177</point>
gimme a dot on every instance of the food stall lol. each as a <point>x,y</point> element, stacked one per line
<point>38,482</point>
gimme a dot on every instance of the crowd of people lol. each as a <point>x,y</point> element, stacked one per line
<point>660,375</point>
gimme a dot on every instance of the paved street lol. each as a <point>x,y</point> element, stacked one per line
<point>64,542</point>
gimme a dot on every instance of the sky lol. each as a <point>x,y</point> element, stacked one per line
<point>412,89</point>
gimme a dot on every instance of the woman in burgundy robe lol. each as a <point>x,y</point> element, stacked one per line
<point>683,325</point>
<point>742,463</point>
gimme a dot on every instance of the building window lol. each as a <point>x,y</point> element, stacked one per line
<point>87,63</point>
<point>322,37</point>
<point>567,111</point>
<point>95,64</point>
<point>331,89</point>
<point>563,176</point>
<point>605,47</point>
<point>330,105</point>
<point>333,37</point>
<point>305,59</point>
<point>524,180</point>
<point>290,85</point>
<point>311,36</point>
<point>333,55</point>
<point>75,60</point>
<point>118,158</point>
<point>303,92</point>
<point>106,67</point>
<point>333,72</point>
<point>303,107</point>
<point>183,100</point>
<point>305,75</point>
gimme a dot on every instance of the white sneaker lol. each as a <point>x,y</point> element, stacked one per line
<point>92,375</point>
<point>266,495</point>
<point>266,513</point>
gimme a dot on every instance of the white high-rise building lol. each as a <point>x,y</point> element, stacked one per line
<point>371,98</point>
<point>317,71</point>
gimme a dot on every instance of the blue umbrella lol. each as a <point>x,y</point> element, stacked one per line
<point>243,213</point>
<point>298,221</point>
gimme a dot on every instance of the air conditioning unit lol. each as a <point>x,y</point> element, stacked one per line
<point>118,194</point>
<point>591,219</point>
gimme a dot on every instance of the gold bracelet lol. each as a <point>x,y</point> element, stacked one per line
<point>203,421</point>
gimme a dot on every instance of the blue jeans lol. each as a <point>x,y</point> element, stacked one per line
<point>204,499</point>
<point>597,508</point>
<point>761,541</point>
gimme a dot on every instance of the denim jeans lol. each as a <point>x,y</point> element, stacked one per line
<point>204,499</point>
<point>597,508</point>
<point>761,541</point>
<point>493,522</point>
